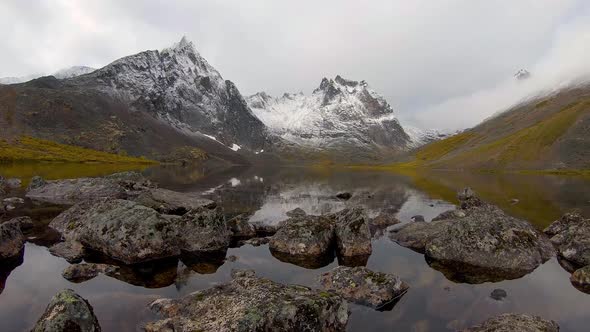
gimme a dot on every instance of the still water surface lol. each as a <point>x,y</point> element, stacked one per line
<point>433,302</point>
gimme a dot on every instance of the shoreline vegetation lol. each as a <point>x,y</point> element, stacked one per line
<point>29,149</point>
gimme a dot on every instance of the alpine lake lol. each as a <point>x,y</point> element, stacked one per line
<point>432,303</point>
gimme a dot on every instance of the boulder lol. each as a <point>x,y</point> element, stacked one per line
<point>484,245</point>
<point>304,236</point>
<point>363,286</point>
<point>581,279</point>
<point>72,191</point>
<point>12,241</point>
<point>172,202</point>
<point>250,303</point>
<point>384,220</point>
<point>23,223</point>
<point>121,229</point>
<point>297,212</point>
<point>202,230</point>
<point>86,271</point>
<point>571,237</point>
<point>68,311</point>
<point>353,237</point>
<point>515,322</point>
<point>241,228</point>
<point>71,251</point>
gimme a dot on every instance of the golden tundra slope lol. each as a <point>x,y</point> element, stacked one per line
<point>552,133</point>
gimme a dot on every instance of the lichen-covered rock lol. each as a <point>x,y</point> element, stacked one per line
<point>384,220</point>
<point>304,236</point>
<point>241,228</point>
<point>121,229</point>
<point>353,236</point>
<point>249,303</point>
<point>172,202</point>
<point>202,230</point>
<point>484,245</point>
<point>12,240</point>
<point>571,237</point>
<point>36,182</point>
<point>86,271</point>
<point>67,312</point>
<point>297,212</point>
<point>363,286</point>
<point>515,323</point>
<point>581,279</point>
<point>72,191</point>
<point>71,251</point>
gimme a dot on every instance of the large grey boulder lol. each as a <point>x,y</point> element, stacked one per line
<point>241,228</point>
<point>124,230</point>
<point>304,236</point>
<point>202,230</point>
<point>515,323</point>
<point>363,286</point>
<point>172,202</point>
<point>353,237</point>
<point>483,245</point>
<point>571,237</point>
<point>12,240</point>
<point>250,303</point>
<point>67,312</point>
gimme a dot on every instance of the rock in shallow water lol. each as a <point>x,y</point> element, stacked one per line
<point>241,228</point>
<point>581,279</point>
<point>304,236</point>
<point>515,323</point>
<point>571,237</point>
<point>250,303</point>
<point>172,202</point>
<point>353,237</point>
<point>498,294</point>
<point>67,312</point>
<point>363,286</point>
<point>71,251</point>
<point>12,240</point>
<point>86,271</point>
<point>484,245</point>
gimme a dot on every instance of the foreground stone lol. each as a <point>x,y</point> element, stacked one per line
<point>133,233</point>
<point>72,191</point>
<point>67,312</point>
<point>172,202</point>
<point>250,303</point>
<point>86,271</point>
<point>515,322</point>
<point>571,237</point>
<point>304,236</point>
<point>363,286</point>
<point>241,228</point>
<point>581,279</point>
<point>12,241</point>
<point>353,237</point>
<point>71,251</point>
<point>484,245</point>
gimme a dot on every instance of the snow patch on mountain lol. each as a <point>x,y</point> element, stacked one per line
<point>338,113</point>
<point>419,137</point>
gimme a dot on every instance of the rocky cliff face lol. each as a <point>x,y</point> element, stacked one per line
<point>340,115</point>
<point>178,86</point>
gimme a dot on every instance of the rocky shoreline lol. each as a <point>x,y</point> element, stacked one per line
<point>116,224</point>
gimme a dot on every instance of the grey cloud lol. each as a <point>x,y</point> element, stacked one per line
<point>439,63</point>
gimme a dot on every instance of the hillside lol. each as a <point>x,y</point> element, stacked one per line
<point>549,133</point>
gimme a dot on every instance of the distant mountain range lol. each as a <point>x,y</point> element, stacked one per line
<point>60,74</point>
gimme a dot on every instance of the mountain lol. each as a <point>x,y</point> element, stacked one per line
<point>151,103</point>
<point>60,74</point>
<point>341,117</point>
<point>420,137</point>
<point>544,133</point>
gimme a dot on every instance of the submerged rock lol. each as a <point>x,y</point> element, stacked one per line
<point>498,294</point>
<point>581,279</point>
<point>12,241</point>
<point>418,218</point>
<point>363,286</point>
<point>23,223</point>
<point>86,271</point>
<point>571,237</point>
<point>71,251</point>
<point>250,303</point>
<point>484,245</point>
<point>515,322</point>
<point>66,312</point>
<point>353,237</point>
<point>304,236</point>
<point>172,202</point>
<point>257,241</point>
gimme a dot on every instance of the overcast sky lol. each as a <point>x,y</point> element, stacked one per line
<point>439,63</point>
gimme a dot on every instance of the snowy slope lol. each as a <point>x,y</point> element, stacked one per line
<point>60,74</point>
<point>340,113</point>
<point>419,137</point>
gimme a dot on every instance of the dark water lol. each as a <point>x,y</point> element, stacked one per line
<point>433,303</point>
